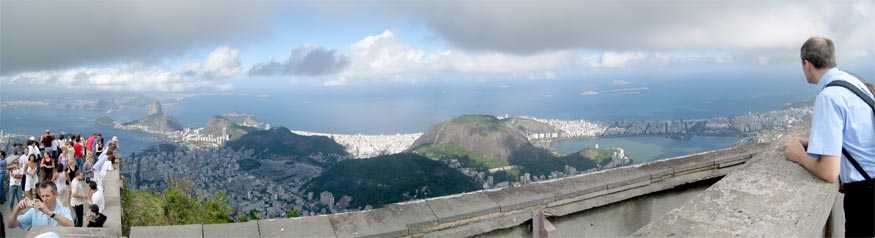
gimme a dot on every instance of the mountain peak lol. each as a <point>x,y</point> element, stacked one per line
<point>155,108</point>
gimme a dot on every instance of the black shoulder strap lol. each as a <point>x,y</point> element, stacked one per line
<point>868,100</point>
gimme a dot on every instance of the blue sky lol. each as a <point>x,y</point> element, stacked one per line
<point>188,46</point>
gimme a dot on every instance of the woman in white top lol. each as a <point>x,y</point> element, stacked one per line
<point>30,174</point>
<point>60,179</point>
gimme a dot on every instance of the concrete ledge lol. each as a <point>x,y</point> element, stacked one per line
<point>240,230</point>
<point>769,197</point>
<point>317,226</point>
<point>528,195</point>
<point>183,231</point>
<point>393,220</point>
<point>462,207</point>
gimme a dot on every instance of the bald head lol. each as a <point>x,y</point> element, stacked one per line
<point>820,52</point>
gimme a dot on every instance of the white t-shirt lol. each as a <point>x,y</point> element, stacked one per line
<point>12,180</point>
<point>77,187</point>
<point>22,161</point>
<point>97,198</point>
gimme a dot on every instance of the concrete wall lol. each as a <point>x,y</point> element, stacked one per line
<point>769,197</point>
<point>571,201</point>
<point>616,219</point>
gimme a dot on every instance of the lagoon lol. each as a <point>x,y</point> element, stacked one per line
<point>647,148</point>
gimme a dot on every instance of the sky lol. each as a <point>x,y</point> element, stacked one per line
<point>219,46</point>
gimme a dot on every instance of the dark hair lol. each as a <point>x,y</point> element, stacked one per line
<point>45,184</point>
<point>92,184</point>
<point>94,208</point>
<point>62,137</point>
<point>31,157</point>
<point>820,52</point>
<point>2,154</point>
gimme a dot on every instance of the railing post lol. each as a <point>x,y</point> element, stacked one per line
<point>541,227</point>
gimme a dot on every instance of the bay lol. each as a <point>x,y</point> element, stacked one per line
<point>647,148</point>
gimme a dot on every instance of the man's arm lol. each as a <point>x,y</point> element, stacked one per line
<point>64,221</point>
<point>826,168</point>
<point>60,218</point>
<point>13,215</point>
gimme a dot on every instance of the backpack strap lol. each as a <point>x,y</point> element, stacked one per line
<point>871,103</point>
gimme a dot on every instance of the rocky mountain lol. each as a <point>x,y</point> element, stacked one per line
<point>103,105</point>
<point>156,120</point>
<point>390,179</point>
<point>485,142</point>
<point>526,125</point>
<point>483,134</point>
<point>134,100</point>
<point>155,108</point>
<point>279,141</point>
<point>218,125</point>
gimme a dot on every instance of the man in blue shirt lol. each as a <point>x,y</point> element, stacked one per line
<point>841,120</point>
<point>45,212</point>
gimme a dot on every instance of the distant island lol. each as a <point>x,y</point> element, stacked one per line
<point>156,121</point>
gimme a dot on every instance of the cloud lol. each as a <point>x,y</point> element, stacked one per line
<point>615,59</point>
<point>752,30</point>
<point>221,63</point>
<point>309,60</point>
<point>385,57</point>
<point>46,35</point>
<point>619,82</point>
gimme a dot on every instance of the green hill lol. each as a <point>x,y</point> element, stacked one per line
<point>105,120</point>
<point>280,141</point>
<point>216,124</point>
<point>390,179</point>
<point>157,122</point>
<point>484,141</point>
<point>494,139</point>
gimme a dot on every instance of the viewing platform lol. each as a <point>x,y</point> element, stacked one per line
<point>745,191</point>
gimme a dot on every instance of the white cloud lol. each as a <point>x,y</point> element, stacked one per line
<point>384,57</point>
<point>221,63</point>
<point>619,82</point>
<point>613,59</point>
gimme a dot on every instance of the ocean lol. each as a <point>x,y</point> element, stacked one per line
<point>392,107</point>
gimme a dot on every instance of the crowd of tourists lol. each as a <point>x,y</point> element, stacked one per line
<point>57,180</point>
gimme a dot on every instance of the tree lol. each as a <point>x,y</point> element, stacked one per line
<point>254,216</point>
<point>292,213</point>
<point>217,209</point>
<point>179,206</point>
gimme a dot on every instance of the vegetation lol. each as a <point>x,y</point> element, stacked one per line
<point>216,124</point>
<point>279,141</point>
<point>476,120</point>
<point>175,206</point>
<point>248,164</point>
<point>105,120</point>
<point>390,179</point>
<point>446,151</point>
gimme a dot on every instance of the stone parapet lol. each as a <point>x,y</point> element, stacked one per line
<point>770,197</point>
